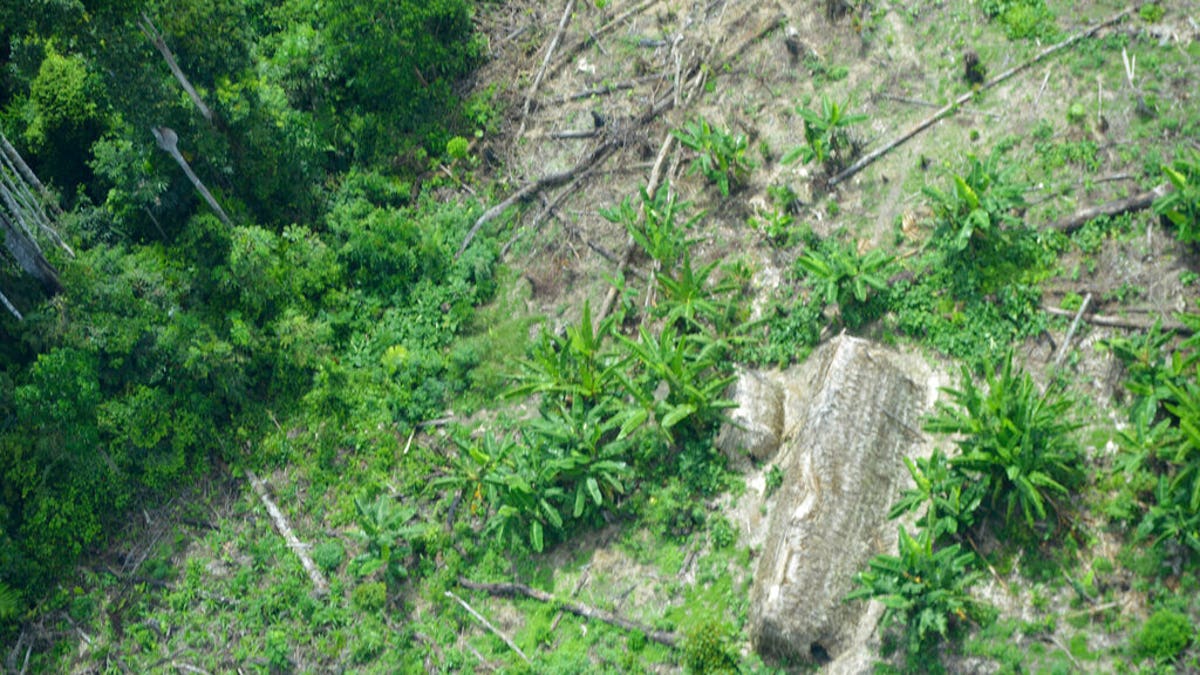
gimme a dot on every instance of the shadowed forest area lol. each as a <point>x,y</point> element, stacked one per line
<point>404,335</point>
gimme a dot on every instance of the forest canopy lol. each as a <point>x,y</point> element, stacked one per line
<point>260,271</point>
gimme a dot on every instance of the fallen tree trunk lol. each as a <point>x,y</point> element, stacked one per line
<point>1123,322</point>
<point>1138,202</point>
<point>949,108</point>
<point>514,589</point>
<point>285,530</point>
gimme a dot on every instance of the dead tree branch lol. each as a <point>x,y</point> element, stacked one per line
<point>951,107</point>
<point>156,38</point>
<point>285,530</point>
<point>537,81</point>
<point>1138,202</point>
<point>169,142</point>
<point>488,624</point>
<point>578,609</point>
<point>1122,322</point>
<point>599,154</point>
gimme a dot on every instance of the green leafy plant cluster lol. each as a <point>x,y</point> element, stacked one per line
<point>721,155</point>
<point>924,590</point>
<point>1016,466</point>
<point>1160,458</point>
<point>840,275</point>
<point>1181,206</point>
<point>1022,19</point>
<point>1164,635</point>
<point>614,408</point>
<point>827,137</point>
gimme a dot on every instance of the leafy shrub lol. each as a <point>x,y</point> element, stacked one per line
<point>370,596</point>
<point>1181,206</point>
<point>975,223</point>
<point>841,275</point>
<point>925,591</point>
<point>1014,440</point>
<point>707,649</point>
<point>1022,18</point>
<point>827,139</point>
<point>329,555</point>
<point>457,148</point>
<point>721,154</point>
<point>1164,635</point>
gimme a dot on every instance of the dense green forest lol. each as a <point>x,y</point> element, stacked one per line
<point>243,238</point>
<point>176,333</point>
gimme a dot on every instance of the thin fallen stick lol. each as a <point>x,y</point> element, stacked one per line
<point>285,530</point>
<point>610,89</point>
<point>1062,351</point>
<point>1042,89</point>
<point>1138,202</point>
<point>942,112</point>
<point>597,155</point>
<point>578,609</point>
<point>1119,322</point>
<point>488,624</point>
<point>583,44</point>
<point>537,81</point>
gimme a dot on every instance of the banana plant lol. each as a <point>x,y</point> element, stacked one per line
<point>924,590</point>
<point>840,275</point>
<point>826,135</point>
<point>949,497</point>
<point>385,532</point>
<point>692,367</point>
<point>1016,441</point>
<point>979,212</point>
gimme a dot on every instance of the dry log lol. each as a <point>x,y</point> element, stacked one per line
<point>1122,322</point>
<point>949,108</point>
<point>1138,202</point>
<point>578,609</point>
<point>169,142</point>
<point>1062,351</point>
<point>285,530</point>
<point>156,38</point>
<point>488,624</point>
<point>537,81</point>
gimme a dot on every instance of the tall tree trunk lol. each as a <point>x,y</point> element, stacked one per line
<point>28,254</point>
<point>160,44</point>
<point>168,141</point>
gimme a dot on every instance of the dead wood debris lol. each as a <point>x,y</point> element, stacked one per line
<point>514,589</point>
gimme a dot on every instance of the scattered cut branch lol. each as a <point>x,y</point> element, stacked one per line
<point>593,36</point>
<point>610,89</point>
<point>488,624</point>
<point>285,530</point>
<point>949,108</point>
<point>513,589</point>
<point>1062,351</point>
<point>9,306</point>
<point>1138,202</point>
<point>537,81</point>
<point>1122,322</point>
<point>160,44</point>
<point>169,142</point>
<point>599,154</point>
<point>30,177</point>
